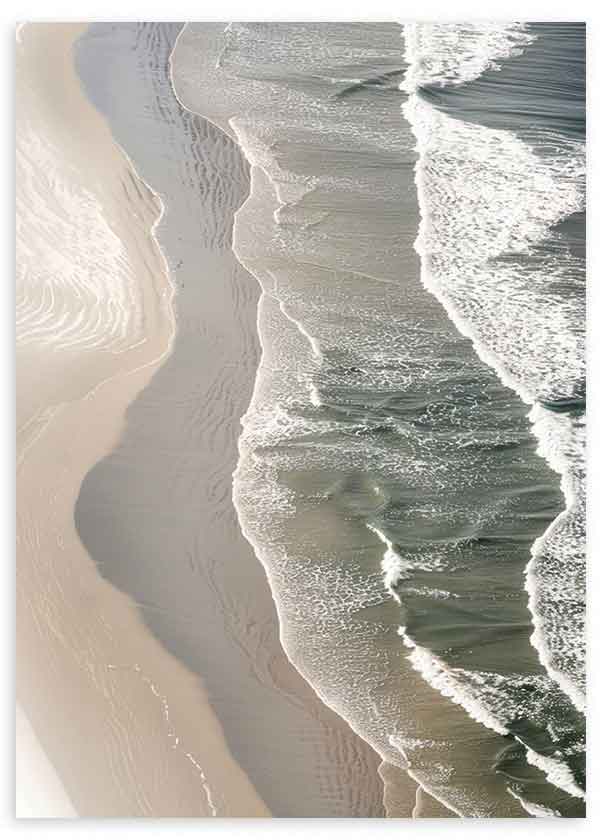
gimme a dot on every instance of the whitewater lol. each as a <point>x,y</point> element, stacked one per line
<point>499,196</point>
<point>372,422</point>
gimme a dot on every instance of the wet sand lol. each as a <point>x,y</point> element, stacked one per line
<point>156,514</point>
<point>126,726</point>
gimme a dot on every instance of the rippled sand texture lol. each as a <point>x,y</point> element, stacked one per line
<point>157,514</point>
<point>90,282</point>
<point>126,726</point>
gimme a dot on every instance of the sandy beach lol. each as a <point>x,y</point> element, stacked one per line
<point>163,497</point>
<point>300,419</point>
<point>139,706</point>
<point>90,678</point>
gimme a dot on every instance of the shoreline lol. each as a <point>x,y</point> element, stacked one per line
<point>286,537</point>
<point>186,554</point>
<point>277,189</point>
<point>405,794</point>
<point>90,677</point>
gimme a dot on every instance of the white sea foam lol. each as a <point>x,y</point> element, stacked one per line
<point>557,773</point>
<point>314,344</point>
<point>452,53</point>
<point>311,551</point>
<point>534,808</point>
<point>488,199</point>
<point>555,576</point>
<point>481,698</point>
<point>485,194</point>
<point>394,567</point>
<point>445,680</point>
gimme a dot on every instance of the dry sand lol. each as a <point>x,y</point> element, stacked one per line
<point>39,791</point>
<point>125,725</point>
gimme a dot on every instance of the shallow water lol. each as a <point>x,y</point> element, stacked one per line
<point>390,479</point>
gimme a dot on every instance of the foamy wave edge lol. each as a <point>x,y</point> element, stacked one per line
<point>245,447</point>
<point>554,770</point>
<point>490,42</point>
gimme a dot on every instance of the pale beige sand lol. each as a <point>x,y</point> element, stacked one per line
<point>127,727</point>
<point>39,791</point>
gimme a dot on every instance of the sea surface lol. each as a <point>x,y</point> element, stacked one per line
<point>411,465</point>
<point>411,459</point>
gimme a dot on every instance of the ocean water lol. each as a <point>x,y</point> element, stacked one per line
<point>411,470</point>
